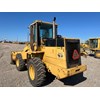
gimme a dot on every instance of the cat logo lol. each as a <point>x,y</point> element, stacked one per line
<point>60,55</point>
<point>75,55</point>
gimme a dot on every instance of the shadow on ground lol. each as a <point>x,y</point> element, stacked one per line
<point>92,55</point>
<point>71,81</point>
<point>74,80</point>
<point>49,79</point>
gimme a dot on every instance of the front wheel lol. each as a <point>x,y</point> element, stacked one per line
<point>36,72</point>
<point>20,64</point>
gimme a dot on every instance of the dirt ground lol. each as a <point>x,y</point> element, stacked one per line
<point>10,77</point>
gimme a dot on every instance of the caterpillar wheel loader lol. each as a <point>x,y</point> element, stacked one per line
<point>83,48</point>
<point>48,52</point>
<point>94,46</point>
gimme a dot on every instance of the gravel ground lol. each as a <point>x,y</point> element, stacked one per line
<point>10,77</point>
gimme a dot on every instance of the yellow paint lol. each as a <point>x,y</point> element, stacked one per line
<point>84,45</point>
<point>54,58</point>
<point>76,70</point>
<point>85,54</point>
<point>17,62</point>
<point>13,56</point>
<point>51,56</point>
<point>98,47</point>
<point>99,44</point>
<point>97,54</point>
<point>31,72</point>
<point>61,72</point>
<point>57,65</point>
<point>27,48</point>
<point>24,55</point>
<point>95,50</point>
<point>24,52</point>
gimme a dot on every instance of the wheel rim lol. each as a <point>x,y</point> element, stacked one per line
<point>17,62</point>
<point>31,72</point>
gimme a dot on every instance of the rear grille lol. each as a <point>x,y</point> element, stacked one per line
<point>73,53</point>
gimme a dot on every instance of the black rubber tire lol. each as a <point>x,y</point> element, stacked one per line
<point>21,66</point>
<point>12,61</point>
<point>40,72</point>
<point>95,54</point>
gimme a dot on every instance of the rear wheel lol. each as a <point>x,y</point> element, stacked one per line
<point>97,54</point>
<point>20,64</point>
<point>36,72</point>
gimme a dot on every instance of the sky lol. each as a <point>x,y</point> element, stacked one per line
<point>82,25</point>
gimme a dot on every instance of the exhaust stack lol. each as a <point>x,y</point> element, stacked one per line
<point>54,28</point>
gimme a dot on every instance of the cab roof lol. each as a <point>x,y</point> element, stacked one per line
<point>94,38</point>
<point>40,21</point>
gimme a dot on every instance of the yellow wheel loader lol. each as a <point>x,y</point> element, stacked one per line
<point>83,48</point>
<point>48,52</point>
<point>94,46</point>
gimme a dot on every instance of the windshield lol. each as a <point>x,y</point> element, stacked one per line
<point>93,43</point>
<point>46,31</point>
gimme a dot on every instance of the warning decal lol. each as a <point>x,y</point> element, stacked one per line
<point>75,55</point>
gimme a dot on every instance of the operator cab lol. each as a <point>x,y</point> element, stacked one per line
<point>94,43</point>
<point>45,33</point>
